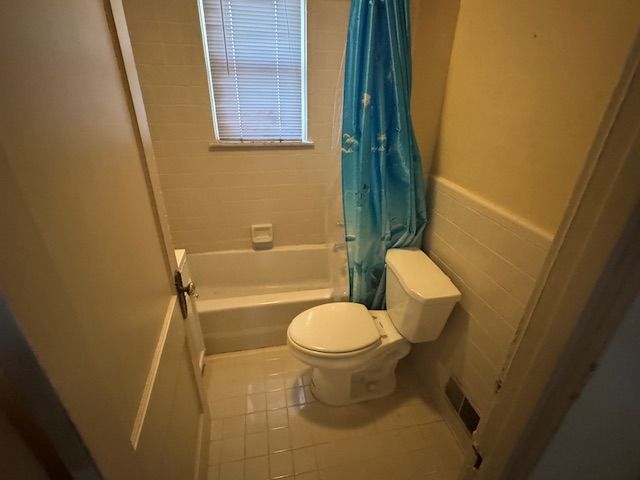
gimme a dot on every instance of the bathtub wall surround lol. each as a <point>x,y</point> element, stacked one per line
<point>213,197</point>
<point>247,298</point>
<point>494,258</point>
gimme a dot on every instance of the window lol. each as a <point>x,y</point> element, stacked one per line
<point>256,56</point>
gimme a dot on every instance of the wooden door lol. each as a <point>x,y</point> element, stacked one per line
<point>84,263</point>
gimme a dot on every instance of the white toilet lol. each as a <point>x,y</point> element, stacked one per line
<point>354,351</point>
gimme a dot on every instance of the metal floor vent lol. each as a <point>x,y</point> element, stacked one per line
<point>462,406</point>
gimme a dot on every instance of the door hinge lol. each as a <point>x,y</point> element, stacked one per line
<point>478,461</point>
<point>498,385</point>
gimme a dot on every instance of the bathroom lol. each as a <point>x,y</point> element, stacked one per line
<point>121,164</point>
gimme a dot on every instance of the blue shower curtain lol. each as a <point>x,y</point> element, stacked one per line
<point>382,184</point>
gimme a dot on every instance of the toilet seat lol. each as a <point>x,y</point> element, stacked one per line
<point>334,330</point>
<point>332,356</point>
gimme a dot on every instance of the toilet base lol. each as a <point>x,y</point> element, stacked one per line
<point>344,387</point>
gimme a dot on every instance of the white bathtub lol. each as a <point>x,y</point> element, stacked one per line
<point>248,298</point>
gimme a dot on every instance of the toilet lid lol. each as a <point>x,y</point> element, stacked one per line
<point>334,328</point>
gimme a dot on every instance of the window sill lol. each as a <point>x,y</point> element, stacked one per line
<point>261,144</point>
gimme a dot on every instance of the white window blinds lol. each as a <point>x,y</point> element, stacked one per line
<point>256,59</point>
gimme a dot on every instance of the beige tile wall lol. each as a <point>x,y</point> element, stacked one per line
<point>213,197</point>
<point>494,259</point>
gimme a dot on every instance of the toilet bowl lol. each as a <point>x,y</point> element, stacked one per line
<point>353,351</point>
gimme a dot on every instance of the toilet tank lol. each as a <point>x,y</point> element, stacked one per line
<point>420,297</point>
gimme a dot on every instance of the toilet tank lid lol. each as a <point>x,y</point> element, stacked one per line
<point>420,277</point>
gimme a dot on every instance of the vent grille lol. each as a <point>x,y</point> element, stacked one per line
<point>462,406</point>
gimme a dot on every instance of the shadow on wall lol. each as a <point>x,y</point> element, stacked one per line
<point>433,25</point>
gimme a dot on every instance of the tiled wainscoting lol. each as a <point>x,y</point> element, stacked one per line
<point>267,425</point>
<point>494,259</point>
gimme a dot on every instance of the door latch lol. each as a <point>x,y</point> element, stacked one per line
<point>182,291</point>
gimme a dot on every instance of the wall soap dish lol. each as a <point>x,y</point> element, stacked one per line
<point>262,236</point>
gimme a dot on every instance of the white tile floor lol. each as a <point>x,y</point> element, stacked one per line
<point>267,425</point>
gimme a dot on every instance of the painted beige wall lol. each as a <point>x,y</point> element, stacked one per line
<point>213,197</point>
<point>433,24</point>
<point>528,84</point>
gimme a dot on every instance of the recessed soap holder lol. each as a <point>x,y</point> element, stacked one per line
<point>262,235</point>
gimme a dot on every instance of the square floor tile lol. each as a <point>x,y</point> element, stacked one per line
<point>295,396</point>
<point>308,476</point>
<point>214,472</point>
<point>256,402</point>
<point>277,418</point>
<point>256,468</point>
<point>256,444</point>
<point>412,439</point>
<point>216,429</point>
<point>273,366</point>
<point>233,406</point>
<point>256,422</point>
<point>255,385</point>
<point>215,447</point>
<point>232,470</point>
<point>293,380</point>
<point>439,438</point>
<point>424,460</point>
<point>231,449</point>
<point>273,383</point>
<point>216,409</point>
<point>235,388</point>
<point>304,460</point>
<point>327,455</point>
<point>233,427</point>
<point>280,464</point>
<point>276,400</point>
<point>424,410</point>
<point>279,440</point>
<point>300,436</point>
